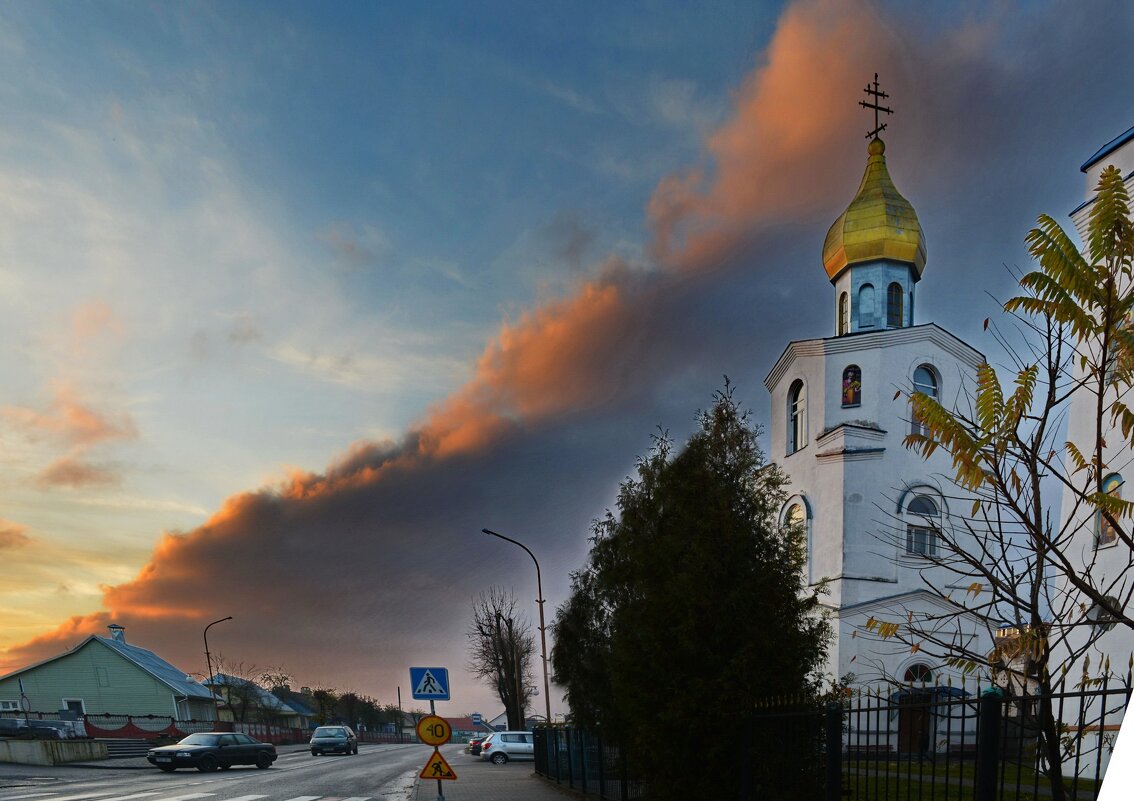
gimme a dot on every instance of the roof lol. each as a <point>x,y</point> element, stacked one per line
<point>1107,149</point>
<point>878,224</point>
<point>146,660</point>
<point>297,701</point>
<point>263,698</point>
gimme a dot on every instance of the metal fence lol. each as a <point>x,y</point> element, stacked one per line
<point>914,743</point>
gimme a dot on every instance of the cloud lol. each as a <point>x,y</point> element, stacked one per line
<point>12,536</point>
<point>72,420</point>
<point>73,472</point>
<point>340,574</point>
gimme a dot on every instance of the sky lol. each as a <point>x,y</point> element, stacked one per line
<point>296,298</point>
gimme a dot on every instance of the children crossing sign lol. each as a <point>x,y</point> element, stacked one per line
<point>430,683</point>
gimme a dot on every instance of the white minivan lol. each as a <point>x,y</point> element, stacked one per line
<point>504,745</point>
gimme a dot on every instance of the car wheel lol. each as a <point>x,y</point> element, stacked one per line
<point>225,767</point>
<point>263,761</point>
<point>499,758</point>
<point>166,768</point>
<point>355,752</point>
<point>207,764</point>
<point>314,752</point>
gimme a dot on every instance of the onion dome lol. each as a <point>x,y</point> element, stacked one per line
<point>878,224</point>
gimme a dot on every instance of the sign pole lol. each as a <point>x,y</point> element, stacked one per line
<point>433,711</point>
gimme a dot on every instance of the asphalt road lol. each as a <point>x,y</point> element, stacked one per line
<point>379,772</point>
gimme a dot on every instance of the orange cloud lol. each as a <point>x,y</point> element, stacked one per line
<point>72,420</point>
<point>12,535</point>
<point>771,161</point>
<point>70,471</point>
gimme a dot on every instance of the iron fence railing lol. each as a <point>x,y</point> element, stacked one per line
<point>910,743</point>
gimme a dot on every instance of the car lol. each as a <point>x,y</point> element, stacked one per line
<point>334,740</point>
<point>207,751</point>
<point>474,746</point>
<point>505,745</point>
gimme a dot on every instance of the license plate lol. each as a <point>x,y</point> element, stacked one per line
<point>164,759</point>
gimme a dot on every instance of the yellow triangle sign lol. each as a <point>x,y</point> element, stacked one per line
<point>437,768</point>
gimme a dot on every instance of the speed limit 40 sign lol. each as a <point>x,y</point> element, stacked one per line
<point>434,730</point>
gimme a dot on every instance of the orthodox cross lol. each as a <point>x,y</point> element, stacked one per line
<point>877,95</point>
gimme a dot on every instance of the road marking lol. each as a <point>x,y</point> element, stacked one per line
<point>358,798</point>
<point>53,797</point>
<point>247,797</point>
<point>126,797</point>
<point>187,796</point>
<point>305,798</point>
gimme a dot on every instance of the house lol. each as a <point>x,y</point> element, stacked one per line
<point>107,675</point>
<point>245,701</point>
<point>301,703</point>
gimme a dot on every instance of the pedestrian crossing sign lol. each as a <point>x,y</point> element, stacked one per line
<point>430,683</point>
<point>437,768</point>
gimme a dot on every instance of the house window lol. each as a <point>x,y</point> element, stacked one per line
<point>894,305</point>
<point>925,382</point>
<point>9,706</point>
<point>866,306</point>
<point>852,386</point>
<point>918,673</point>
<point>921,526</point>
<point>797,417</point>
<point>844,314</point>
<point>1105,533</point>
<point>74,705</point>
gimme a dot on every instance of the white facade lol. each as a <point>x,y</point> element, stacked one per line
<point>837,429</point>
<point>1107,562</point>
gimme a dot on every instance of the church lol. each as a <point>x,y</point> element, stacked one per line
<point>873,511</point>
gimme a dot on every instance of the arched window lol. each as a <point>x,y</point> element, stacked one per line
<point>797,417</point>
<point>894,305</point>
<point>925,382</point>
<point>922,518</point>
<point>852,386</point>
<point>844,314</point>
<point>866,306</point>
<point>918,673</point>
<point>1105,533</point>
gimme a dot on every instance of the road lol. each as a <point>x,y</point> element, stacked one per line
<point>377,772</point>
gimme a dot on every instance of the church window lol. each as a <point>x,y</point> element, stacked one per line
<point>918,673</point>
<point>852,386</point>
<point>894,309</point>
<point>866,306</point>
<point>921,526</point>
<point>925,382</point>
<point>1105,533</point>
<point>797,417</point>
<point>844,314</point>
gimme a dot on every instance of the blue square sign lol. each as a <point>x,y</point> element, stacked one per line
<point>430,683</point>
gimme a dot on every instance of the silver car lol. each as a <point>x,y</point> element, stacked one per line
<point>334,740</point>
<point>505,745</point>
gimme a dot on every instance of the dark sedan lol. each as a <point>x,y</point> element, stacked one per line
<point>208,751</point>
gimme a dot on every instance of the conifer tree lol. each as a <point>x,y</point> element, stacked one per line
<point>693,608</point>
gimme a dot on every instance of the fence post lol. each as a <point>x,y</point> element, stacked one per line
<point>834,736</point>
<point>988,745</point>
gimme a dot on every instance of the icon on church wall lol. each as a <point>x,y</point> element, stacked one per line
<point>852,386</point>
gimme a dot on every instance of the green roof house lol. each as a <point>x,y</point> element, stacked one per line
<point>105,675</point>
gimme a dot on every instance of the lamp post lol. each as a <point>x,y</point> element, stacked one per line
<point>542,634</point>
<point>209,661</point>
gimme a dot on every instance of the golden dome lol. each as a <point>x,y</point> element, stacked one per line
<point>878,224</point>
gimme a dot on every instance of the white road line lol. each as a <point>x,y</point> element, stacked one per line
<point>187,796</point>
<point>52,796</point>
<point>358,798</point>
<point>246,798</point>
<point>305,798</point>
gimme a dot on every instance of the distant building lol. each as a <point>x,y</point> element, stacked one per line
<point>106,675</point>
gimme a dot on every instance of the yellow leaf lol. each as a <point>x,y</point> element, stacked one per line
<point>915,648</point>
<point>975,589</point>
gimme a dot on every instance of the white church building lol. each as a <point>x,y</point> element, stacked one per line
<point>874,510</point>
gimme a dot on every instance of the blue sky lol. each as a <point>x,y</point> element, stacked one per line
<point>321,290</point>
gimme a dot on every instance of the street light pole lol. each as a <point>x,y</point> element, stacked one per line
<point>209,661</point>
<point>542,633</point>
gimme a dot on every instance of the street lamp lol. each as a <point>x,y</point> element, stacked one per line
<point>542,634</point>
<point>209,661</point>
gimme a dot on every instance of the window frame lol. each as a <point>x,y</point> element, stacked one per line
<point>867,321</point>
<point>915,425</point>
<point>857,396</point>
<point>1112,484</point>
<point>797,416</point>
<point>919,528</point>
<point>843,323</point>
<point>895,311</point>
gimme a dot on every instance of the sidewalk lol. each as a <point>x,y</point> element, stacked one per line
<point>482,781</point>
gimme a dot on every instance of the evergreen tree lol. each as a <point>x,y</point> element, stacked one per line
<point>693,607</point>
